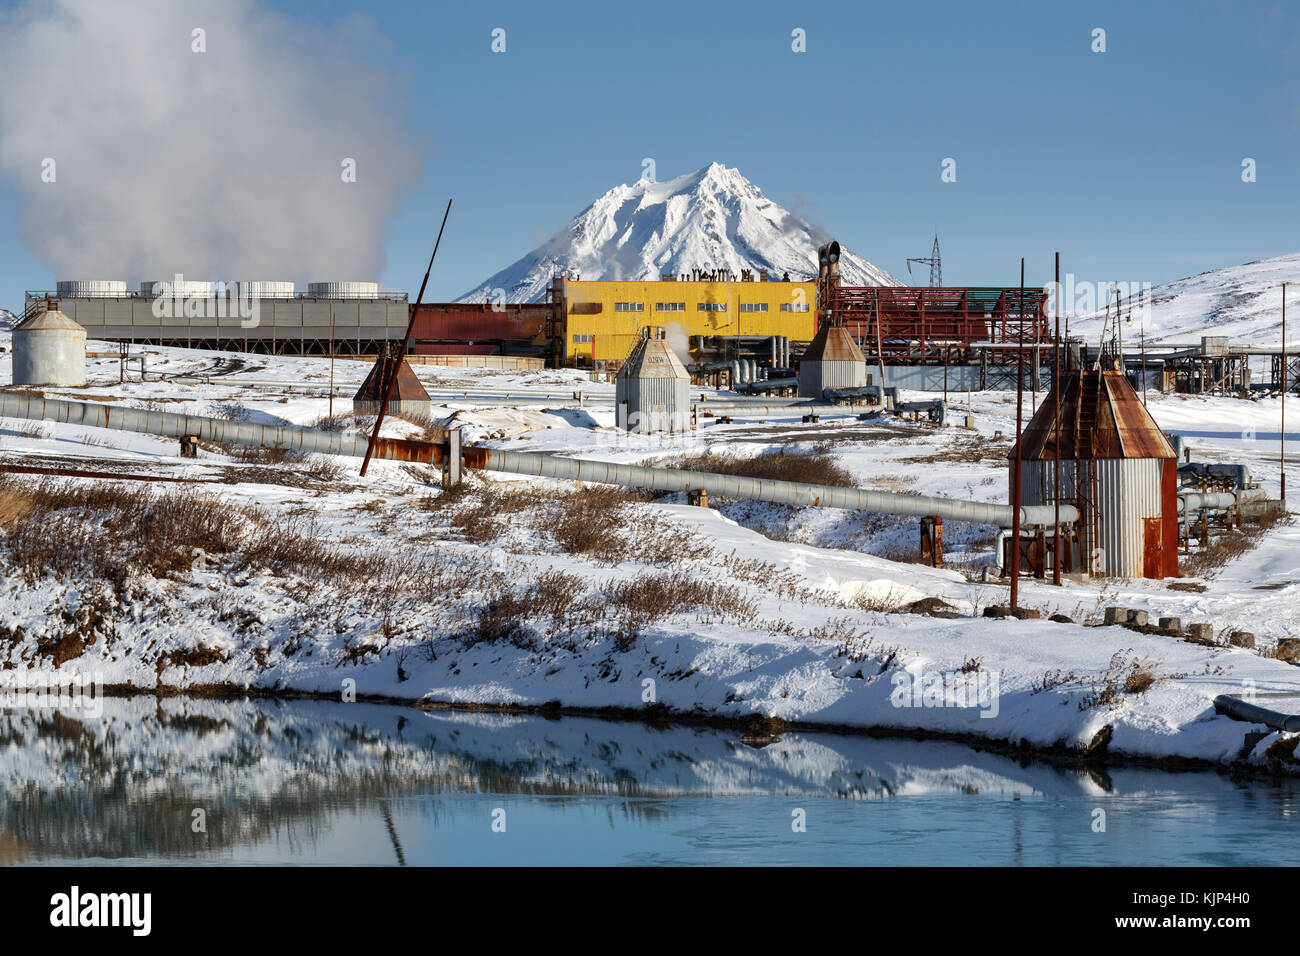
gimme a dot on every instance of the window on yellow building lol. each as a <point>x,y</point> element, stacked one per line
<point>753,307</point>
<point>629,306</point>
<point>711,307</point>
<point>794,306</point>
<point>580,339</point>
<point>670,306</point>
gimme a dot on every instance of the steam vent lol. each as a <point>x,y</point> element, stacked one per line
<point>652,388</point>
<point>832,360</point>
<point>1117,467</point>
<point>409,396</point>
<point>49,349</point>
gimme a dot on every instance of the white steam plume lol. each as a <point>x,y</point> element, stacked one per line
<point>219,164</point>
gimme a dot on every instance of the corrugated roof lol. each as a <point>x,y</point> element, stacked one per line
<point>1101,417</point>
<point>653,357</point>
<point>832,343</point>
<point>45,321</point>
<point>408,388</point>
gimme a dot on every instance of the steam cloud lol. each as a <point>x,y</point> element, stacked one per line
<point>221,164</point>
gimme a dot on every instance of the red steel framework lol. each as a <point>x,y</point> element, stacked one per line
<point>922,324</point>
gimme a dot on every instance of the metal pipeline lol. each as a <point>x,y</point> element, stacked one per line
<point>291,437</point>
<point>787,411</point>
<point>296,438</point>
<point>756,489</point>
<point>1189,501</point>
<point>1233,705</point>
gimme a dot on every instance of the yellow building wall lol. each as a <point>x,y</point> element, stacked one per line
<point>610,334</point>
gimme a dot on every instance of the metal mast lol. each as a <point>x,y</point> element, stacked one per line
<point>934,262</point>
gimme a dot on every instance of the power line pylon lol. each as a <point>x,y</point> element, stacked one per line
<point>934,262</point>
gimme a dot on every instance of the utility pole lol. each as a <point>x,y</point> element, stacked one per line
<point>1058,393</point>
<point>1015,469</point>
<point>401,355</point>
<point>331,411</point>
<point>1282,446</point>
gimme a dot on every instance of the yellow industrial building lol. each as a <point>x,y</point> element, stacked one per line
<point>602,320</point>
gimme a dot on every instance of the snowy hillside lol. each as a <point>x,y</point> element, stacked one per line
<point>7,319</point>
<point>1242,302</point>
<point>713,218</point>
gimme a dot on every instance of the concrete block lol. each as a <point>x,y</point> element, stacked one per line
<point>1116,615</point>
<point>1137,617</point>
<point>1242,639</point>
<point>1172,624</point>
<point>1201,631</point>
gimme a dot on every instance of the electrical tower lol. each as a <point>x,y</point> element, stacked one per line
<point>934,262</point>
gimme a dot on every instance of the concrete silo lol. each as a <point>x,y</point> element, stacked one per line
<point>652,388</point>
<point>832,360</point>
<point>1116,466</point>
<point>49,349</point>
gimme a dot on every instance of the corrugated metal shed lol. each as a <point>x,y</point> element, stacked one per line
<point>832,360</point>
<point>1117,467</point>
<point>652,388</point>
<point>409,396</point>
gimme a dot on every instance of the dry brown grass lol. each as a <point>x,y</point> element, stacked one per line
<point>1124,675</point>
<point>816,468</point>
<point>1230,544</point>
<point>644,600</point>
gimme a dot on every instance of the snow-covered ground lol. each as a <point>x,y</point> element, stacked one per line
<point>804,624</point>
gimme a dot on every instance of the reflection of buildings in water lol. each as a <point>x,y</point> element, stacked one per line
<point>127,784</point>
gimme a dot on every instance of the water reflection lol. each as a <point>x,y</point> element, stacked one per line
<point>325,782</point>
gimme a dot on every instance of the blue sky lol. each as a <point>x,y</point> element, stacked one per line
<point>1128,161</point>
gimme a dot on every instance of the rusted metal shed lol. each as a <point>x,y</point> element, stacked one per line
<point>832,360</point>
<point>1117,467</point>
<point>409,396</point>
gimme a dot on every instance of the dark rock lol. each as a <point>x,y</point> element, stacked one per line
<point>932,606</point>
<point>1061,619</point>
<point>1288,649</point>
<point>1242,639</point>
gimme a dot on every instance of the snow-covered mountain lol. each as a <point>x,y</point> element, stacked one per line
<point>1242,302</point>
<point>714,218</point>
<point>8,320</point>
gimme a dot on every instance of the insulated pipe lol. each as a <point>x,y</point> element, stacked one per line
<point>94,415</point>
<point>291,437</point>
<point>1189,501</point>
<point>756,489</point>
<point>1233,705</point>
<point>786,411</point>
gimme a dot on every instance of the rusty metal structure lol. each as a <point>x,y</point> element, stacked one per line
<point>409,396</point>
<point>905,325</point>
<point>1116,467</point>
